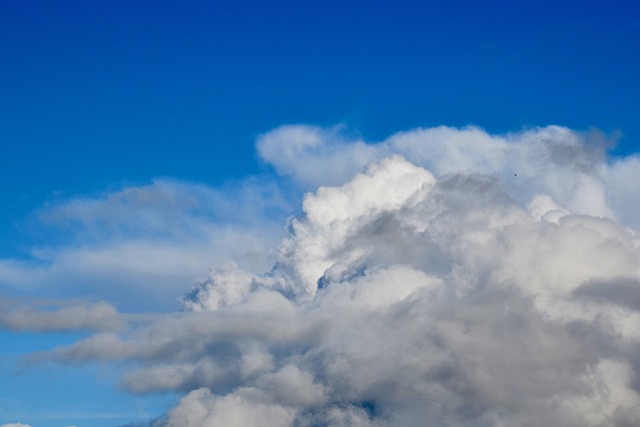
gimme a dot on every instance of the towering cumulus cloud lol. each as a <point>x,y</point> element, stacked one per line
<point>459,279</point>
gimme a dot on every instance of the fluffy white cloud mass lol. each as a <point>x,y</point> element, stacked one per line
<point>462,279</point>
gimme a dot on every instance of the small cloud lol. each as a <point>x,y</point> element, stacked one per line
<point>17,317</point>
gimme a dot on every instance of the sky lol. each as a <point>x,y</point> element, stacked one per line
<point>207,205</point>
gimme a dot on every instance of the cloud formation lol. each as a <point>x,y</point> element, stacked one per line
<point>460,279</point>
<point>141,247</point>
<point>570,167</point>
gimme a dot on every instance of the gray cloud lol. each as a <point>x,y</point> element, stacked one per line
<point>621,291</point>
<point>434,287</point>
<point>94,316</point>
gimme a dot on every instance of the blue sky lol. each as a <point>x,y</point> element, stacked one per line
<point>98,97</point>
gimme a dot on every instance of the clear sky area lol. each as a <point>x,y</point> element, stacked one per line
<point>146,144</point>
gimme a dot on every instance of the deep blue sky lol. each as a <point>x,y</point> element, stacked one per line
<point>95,95</point>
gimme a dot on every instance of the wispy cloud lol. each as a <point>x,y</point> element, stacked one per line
<point>140,247</point>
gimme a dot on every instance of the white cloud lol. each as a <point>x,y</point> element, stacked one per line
<point>462,278</point>
<point>571,167</point>
<point>621,192</point>
<point>141,247</point>
<point>245,407</point>
<point>313,155</point>
<point>15,425</point>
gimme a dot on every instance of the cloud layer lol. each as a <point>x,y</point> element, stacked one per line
<point>21,317</point>
<point>440,277</point>
<point>141,247</point>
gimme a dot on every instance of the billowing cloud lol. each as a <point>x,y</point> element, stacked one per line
<point>570,167</point>
<point>461,279</point>
<point>443,276</point>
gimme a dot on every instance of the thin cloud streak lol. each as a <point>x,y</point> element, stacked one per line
<point>70,317</point>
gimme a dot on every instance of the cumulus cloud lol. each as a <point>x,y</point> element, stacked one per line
<point>570,167</point>
<point>443,277</point>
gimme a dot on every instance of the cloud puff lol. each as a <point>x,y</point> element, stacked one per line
<point>312,155</point>
<point>570,167</point>
<point>434,287</point>
<point>15,425</point>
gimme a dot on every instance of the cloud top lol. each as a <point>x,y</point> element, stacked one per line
<point>411,298</point>
<point>570,167</point>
